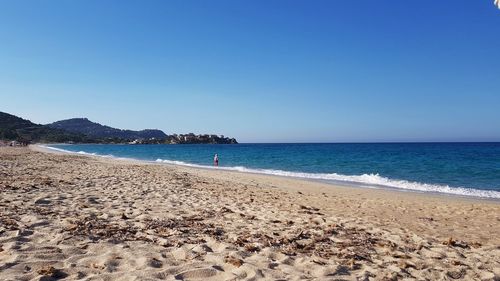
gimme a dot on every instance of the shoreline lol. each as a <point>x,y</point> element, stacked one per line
<point>97,218</point>
<point>333,183</point>
<point>308,186</point>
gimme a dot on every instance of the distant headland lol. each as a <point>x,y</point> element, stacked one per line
<point>82,130</point>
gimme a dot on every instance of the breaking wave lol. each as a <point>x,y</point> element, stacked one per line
<point>365,180</point>
<point>78,152</point>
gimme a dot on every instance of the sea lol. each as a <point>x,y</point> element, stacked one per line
<point>465,169</point>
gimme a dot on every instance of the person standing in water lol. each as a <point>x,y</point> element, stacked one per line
<point>216,160</point>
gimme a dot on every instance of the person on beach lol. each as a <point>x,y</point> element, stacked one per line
<point>216,160</point>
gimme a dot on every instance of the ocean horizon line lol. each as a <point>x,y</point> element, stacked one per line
<point>355,142</point>
<point>370,142</point>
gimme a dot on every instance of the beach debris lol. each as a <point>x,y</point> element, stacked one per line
<point>189,229</point>
<point>155,263</point>
<point>48,270</point>
<point>8,223</point>
<point>43,210</point>
<point>225,210</point>
<point>218,231</point>
<point>456,243</point>
<point>457,274</point>
<point>309,210</point>
<point>97,229</point>
<point>456,262</point>
<point>70,227</point>
<point>202,248</point>
<point>403,264</point>
<point>449,242</point>
<point>252,247</point>
<point>52,272</point>
<point>317,261</point>
<point>233,260</point>
<point>318,220</point>
<point>273,265</point>
<point>98,266</point>
<point>476,244</point>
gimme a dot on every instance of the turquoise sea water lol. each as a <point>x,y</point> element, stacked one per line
<point>471,169</point>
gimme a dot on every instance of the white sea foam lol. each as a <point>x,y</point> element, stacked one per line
<point>365,180</point>
<point>86,153</point>
<point>56,149</point>
<point>79,152</point>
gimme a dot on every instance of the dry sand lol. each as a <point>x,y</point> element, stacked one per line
<point>74,217</point>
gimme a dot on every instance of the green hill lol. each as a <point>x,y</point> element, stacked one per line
<point>16,128</point>
<point>96,130</point>
<point>81,130</point>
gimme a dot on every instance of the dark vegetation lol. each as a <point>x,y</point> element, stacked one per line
<point>18,129</point>
<point>96,130</point>
<point>82,130</point>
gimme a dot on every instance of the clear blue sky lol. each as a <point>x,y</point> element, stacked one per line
<point>261,71</point>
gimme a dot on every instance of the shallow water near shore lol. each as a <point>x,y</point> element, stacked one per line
<point>471,169</point>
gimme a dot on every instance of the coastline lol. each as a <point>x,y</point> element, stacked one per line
<point>98,218</point>
<point>333,183</point>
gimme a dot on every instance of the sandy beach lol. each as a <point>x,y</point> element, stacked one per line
<point>73,217</point>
